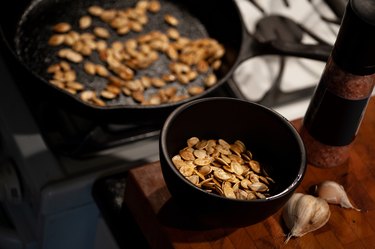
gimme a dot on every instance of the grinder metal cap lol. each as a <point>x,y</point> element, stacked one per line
<point>354,49</point>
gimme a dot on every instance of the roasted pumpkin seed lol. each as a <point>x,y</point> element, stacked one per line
<point>85,22</point>
<point>62,27</point>
<point>171,20</point>
<point>56,40</point>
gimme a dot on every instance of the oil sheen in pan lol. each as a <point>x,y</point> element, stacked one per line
<point>35,29</point>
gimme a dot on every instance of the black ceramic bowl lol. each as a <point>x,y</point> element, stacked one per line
<point>271,138</point>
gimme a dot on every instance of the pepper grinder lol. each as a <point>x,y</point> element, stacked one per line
<point>338,104</point>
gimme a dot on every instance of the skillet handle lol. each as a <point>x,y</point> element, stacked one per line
<point>252,47</point>
<point>319,52</point>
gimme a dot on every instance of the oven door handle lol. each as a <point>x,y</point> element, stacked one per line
<point>10,187</point>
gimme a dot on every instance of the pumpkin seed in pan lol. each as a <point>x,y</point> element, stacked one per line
<point>190,59</point>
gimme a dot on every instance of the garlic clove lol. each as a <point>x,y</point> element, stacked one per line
<point>290,208</point>
<point>305,213</point>
<point>334,193</point>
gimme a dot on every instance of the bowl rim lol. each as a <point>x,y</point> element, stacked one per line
<point>303,164</point>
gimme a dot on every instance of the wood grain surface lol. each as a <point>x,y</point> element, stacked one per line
<point>150,202</point>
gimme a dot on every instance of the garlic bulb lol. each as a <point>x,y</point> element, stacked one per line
<point>305,213</point>
<point>334,193</point>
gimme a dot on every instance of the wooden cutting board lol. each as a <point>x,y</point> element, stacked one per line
<point>147,198</point>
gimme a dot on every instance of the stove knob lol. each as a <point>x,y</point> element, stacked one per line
<point>10,188</point>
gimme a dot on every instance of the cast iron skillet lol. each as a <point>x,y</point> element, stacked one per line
<point>26,28</point>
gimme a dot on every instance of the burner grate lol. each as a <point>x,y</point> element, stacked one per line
<point>277,80</point>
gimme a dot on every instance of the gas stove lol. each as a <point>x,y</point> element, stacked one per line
<point>62,175</point>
